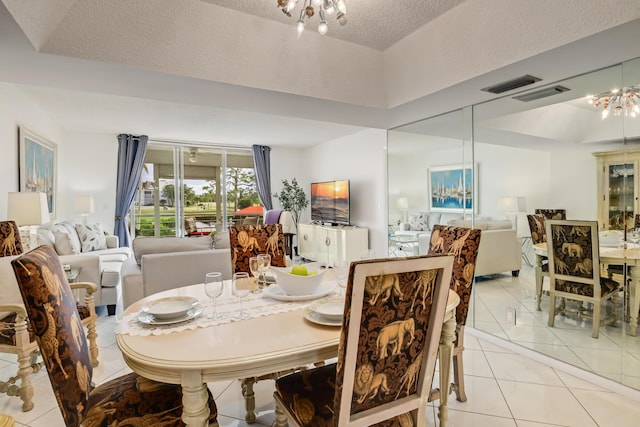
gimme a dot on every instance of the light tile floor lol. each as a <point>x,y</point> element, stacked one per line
<point>504,388</point>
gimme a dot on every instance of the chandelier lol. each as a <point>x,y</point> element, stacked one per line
<point>625,100</point>
<point>324,8</point>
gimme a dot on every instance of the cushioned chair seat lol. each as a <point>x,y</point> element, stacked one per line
<point>607,286</point>
<point>135,400</point>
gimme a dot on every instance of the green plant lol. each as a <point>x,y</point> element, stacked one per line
<point>292,198</point>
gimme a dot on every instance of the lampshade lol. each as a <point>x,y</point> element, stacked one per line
<point>512,204</point>
<point>83,204</point>
<point>28,208</point>
<point>403,203</point>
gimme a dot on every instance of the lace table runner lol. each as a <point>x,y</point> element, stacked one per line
<point>256,305</point>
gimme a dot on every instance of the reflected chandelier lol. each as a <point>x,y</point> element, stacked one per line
<point>625,100</point>
<point>324,8</point>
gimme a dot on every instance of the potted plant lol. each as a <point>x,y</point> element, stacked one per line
<point>292,198</point>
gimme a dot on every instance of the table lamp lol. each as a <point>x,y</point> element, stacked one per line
<point>84,206</point>
<point>28,210</point>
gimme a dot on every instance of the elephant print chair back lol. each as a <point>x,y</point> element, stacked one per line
<point>574,267</point>
<point>247,241</point>
<point>126,400</point>
<point>387,351</point>
<point>10,243</point>
<point>463,244</point>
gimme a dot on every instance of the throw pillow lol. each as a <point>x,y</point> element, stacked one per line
<point>91,237</point>
<point>419,222</point>
<point>221,240</point>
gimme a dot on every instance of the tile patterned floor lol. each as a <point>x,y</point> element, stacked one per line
<point>504,388</point>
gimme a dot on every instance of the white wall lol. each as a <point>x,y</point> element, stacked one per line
<point>362,159</point>
<point>17,110</point>
<point>575,179</point>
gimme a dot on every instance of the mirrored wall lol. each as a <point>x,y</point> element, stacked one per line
<point>545,148</point>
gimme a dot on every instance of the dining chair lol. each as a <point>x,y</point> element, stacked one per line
<point>16,335</point>
<point>574,269</point>
<point>127,400</point>
<point>552,213</point>
<point>463,243</point>
<point>387,351</point>
<point>539,235</point>
<point>284,218</point>
<point>247,241</point>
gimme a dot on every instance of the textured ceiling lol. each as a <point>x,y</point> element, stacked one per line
<point>377,24</point>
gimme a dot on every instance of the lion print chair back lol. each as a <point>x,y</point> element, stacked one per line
<point>247,241</point>
<point>391,328</point>
<point>552,213</point>
<point>574,268</point>
<point>10,243</point>
<point>463,243</point>
<point>51,308</point>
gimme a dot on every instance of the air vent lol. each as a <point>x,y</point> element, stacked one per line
<point>542,93</point>
<point>512,84</point>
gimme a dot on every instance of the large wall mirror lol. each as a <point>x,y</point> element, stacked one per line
<point>546,148</point>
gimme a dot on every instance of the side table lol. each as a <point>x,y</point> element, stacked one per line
<point>72,275</point>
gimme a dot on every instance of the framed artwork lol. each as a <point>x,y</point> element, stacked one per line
<point>38,166</point>
<point>451,188</point>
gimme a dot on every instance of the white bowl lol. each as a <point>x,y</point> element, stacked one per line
<point>292,284</point>
<point>170,307</point>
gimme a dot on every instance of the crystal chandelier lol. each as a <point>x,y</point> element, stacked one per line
<point>309,7</point>
<point>625,100</point>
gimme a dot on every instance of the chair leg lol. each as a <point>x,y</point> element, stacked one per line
<point>595,328</point>
<point>25,370</point>
<point>458,375</point>
<point>249,399</point>
<point>91,337</point>
<point>552,310</point>
<point>281,416</point>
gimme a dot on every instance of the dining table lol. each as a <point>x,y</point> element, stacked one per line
<point>627,254</point>
<point>279,336</point>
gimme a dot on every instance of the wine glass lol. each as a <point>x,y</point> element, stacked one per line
<point>264,265</point>
<point>341,273</point>
<point>241,286</point>
<point>254,266</point>
<point>213,287</point>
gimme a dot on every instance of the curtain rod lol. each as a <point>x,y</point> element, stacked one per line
<point>197,144</point>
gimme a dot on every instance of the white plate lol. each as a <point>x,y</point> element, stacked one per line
<point>274,291</point>
<point>169,307</point>
<point>314,317</point>
<point>150,319</point>
<point>329,308</point>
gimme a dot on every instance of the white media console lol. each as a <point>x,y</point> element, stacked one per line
<point>328,243</point>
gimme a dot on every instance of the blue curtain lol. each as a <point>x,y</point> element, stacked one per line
<point>262,166</point>
<point>131,151</point>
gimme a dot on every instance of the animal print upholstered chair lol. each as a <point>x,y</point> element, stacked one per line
<point>552,213</point>
<point>127,400</point>
<point>574,269</point>
<point>387,350</point>
<point>463,243</point>
<point>16,337</point>
<point>247,241</point>
<point>539,235</point>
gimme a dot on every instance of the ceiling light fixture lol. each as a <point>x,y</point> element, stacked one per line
<point>309,7</point>
<point>625,100</point>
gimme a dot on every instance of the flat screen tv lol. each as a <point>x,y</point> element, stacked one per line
<point>330,202</point>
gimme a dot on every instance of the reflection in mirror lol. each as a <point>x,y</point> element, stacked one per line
<point>553,152</point>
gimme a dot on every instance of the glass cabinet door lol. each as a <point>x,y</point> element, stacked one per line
<point>621,194</point>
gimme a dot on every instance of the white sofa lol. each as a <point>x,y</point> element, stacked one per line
<point>163,263</point>
<point>100,266</point>
<point>500,249</point>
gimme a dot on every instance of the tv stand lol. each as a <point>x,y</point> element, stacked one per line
<point>328,243</point>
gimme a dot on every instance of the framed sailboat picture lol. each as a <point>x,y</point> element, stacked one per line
<point>38,166</point>
<point>452,188</point>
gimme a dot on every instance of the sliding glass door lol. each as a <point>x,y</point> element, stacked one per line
<point>206,185</point>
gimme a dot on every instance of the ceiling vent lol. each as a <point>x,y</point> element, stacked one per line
<point>542,93</point>
<point>512,84</point>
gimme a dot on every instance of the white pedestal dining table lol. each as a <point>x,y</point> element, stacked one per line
<point>245,349</point>
<point>629,256</point>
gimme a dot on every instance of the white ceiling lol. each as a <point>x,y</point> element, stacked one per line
<point>56,52</point>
